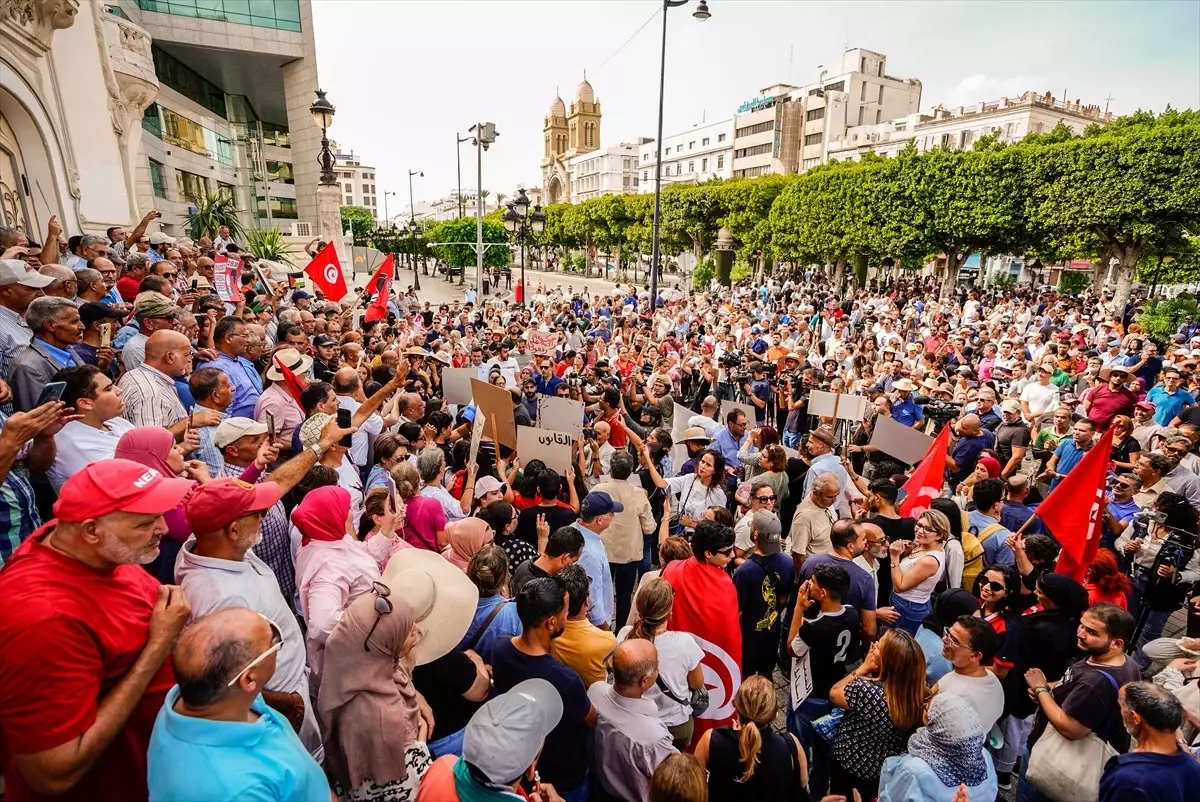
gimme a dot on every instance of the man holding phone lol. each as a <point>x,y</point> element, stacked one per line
<point>56,327</point>
<point>100,325</point>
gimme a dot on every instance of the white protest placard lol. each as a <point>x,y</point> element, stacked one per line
<point>905,443</point>
<point>679,422</point>
<point>543,342</point>
<point>728,406</point>
<point>476,435</point>
<point>552,448</point>
<point>801,682</point>
<point>560,414</point>
<point>223,282</point>
<point>849,407</point>
<point>456,384</point>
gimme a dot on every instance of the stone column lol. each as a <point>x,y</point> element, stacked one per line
<point>329,222</point>
<point>724,256</point>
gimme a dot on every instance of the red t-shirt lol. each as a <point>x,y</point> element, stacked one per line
<point>127,288</point>
<point>1108,403</point>
<point>68,634</point>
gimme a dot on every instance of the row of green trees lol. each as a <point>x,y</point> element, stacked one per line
<point>1128,191</point>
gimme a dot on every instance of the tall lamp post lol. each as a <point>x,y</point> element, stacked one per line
<point>386,219</point>
<point>322,111</point>
<point>518,221</point>
<point>458,155</point>
<point>701,13</point>
<point>329,192</point>
<point>414,235</point>
<point>484,135</point>
<point>412,208</point>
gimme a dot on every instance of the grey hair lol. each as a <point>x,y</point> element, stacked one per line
<point>45,310</point>
<point>1179,440</point>
<point>136,259</point>
<point>1160,709</point>
<point>825,479</point>
<point>430,462</point>
<point>631,675</point>
<point>88,240</point>
<point>86,276</point>
<point>289,315</point>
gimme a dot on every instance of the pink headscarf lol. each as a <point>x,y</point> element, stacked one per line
<point>322,514</point>
<point>149,446</point>
<point>467,537</point>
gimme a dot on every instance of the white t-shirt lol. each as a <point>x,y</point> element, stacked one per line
<point>1040,397</point>
<point>77,444</point>
<point>361,440</point>
<point>984,694</point>
<point>678,653</point>
<point>711,427</point>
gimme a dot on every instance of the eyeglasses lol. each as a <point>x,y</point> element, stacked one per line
<point>276,645</point>
<point>764,498</point>
<point>995,587</point>
<point>169,275</point>
<point>383,606</point>
<point>1126,485</point>
<point>726,552</point>
<point>949,640</point>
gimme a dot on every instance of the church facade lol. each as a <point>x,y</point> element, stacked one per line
<point>568,132</point>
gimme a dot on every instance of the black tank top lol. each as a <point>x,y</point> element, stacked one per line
<point>774,776</point>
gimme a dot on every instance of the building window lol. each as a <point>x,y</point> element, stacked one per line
<point>191,187</point>
<point>721,160</point>
<point>645,157</point>
<point>757,150</point>
<point>691,166</point>
<point>668,152</point>
<point>751,172</point>
<point>758,128</point>
<point>645,175</point>
<point>814,139</point>
<point>691,144</point>
<point>349,200</point>
<point>151,121</point>
<point>720,137</point>
<point>225,190</point>
<point>276,135</point>
<point>811,162</point>
<point>704,165</point>
<point>183,79</point>
<point>678,168</point>
<point>158,183</point>
<point>282,15</point>
<point>815,114</point>
<point>284,208</point>
<point>279,173</point>
<point>349,188</point>
<point>704,142</point>
<point>837,87</point>
<point>635,180</point>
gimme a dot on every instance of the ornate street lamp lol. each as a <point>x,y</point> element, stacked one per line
<point>518,221</point>
<point>322,111</point>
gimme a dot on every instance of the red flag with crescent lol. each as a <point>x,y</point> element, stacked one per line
<point>1081,489</point>
<point>380,284</point>
<point>706,608</point>
<point>326,273</point>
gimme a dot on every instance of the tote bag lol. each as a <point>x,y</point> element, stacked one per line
<point>1069,771</point>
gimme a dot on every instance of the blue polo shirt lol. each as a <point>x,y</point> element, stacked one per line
<point>1069,456</point>
<point>907,412</point>
<point>198,760</point>
<point>247,384</point>
<point>1167,405</point>
<point>729,447</point>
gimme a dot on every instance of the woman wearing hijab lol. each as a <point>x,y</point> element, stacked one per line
<point>155,447</point>
<point>467,537</point>
<point>942,756</point>
<point>332,567</point>
<point>370,712</point>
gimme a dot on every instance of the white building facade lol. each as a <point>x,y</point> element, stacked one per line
<point>607,171</point>
<point>702,152</point>
<point>786,128</point>
<point>357,181</point>
<point>1010,119</point>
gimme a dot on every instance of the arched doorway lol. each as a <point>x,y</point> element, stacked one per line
<point>555,190</point>
<point>14,199</point>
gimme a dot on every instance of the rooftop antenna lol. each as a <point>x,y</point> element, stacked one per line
<point>791,51</point>
<point>1108,99</point>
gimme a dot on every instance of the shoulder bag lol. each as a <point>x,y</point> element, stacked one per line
<point>1069,771</point>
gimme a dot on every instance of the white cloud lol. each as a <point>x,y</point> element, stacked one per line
<point>979,87</point>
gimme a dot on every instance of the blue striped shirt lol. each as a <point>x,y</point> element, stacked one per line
<point>19,516</point>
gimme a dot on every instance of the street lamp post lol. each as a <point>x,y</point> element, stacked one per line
<point>458,155</point>
<point>701,13</point>
<point>485,135</point>
<point>412,210</point>
<point>329,192</point>
<point>518,221</point>
<point>322,111</point>
<point>414,235</point>
<point>385,211</point>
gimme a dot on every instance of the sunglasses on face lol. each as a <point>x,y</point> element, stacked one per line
<point>726,552</point>
<point>383,606</point>
<point>764,498</point>
<point>995,587</point>
<point>276,645</point>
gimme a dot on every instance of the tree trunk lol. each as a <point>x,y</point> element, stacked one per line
<point>860,271</point>
<point>839,274</point>
<point>954,262</point>
<point>1100,272</point>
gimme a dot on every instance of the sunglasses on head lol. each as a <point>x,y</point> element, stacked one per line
<point>383,606</point>
<point>276,645</point>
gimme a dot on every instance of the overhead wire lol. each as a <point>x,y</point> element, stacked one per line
<point>633,36</point>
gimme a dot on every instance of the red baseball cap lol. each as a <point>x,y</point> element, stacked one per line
<point>119,485</point>
<point>217,504</point>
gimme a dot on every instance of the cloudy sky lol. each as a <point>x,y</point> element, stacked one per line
<point>406,75</point>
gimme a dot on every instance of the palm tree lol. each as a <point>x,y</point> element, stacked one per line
<point>500,196</point>
<point>212,212</point>
<point>268,243</point>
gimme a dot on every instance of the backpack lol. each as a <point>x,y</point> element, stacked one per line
<point>973,554</point>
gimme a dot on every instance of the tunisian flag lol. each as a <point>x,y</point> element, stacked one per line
<point>380,284</point>
<point>706,609</point>
<point>326,273</point>
<point>926,482</point>
<point>1081,491</point>
<point>291,382</point>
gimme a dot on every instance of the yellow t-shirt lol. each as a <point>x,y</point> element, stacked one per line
<point>583,648</point>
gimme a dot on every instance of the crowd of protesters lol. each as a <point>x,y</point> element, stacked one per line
<point>250,551</point>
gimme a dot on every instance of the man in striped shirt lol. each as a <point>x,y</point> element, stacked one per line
<point>149,389</point>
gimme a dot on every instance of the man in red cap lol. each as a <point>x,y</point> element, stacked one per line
<point>85,635</point>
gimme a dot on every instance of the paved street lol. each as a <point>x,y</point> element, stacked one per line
<point>438,290</point>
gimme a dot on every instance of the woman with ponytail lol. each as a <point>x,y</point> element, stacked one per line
<point>679,658</point>
<point>753,761</point>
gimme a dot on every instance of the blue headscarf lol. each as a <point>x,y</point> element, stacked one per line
<point>952,742</point>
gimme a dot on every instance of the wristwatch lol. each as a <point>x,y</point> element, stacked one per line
<point>316,449</point>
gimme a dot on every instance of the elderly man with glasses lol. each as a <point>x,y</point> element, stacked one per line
<point>190,755</point>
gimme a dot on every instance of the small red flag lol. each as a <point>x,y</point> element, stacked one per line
<point>291,382</point>
<point>326,273</point>
<point>926,482</point>
<point>380,284</point>
<point>1082,489</point>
